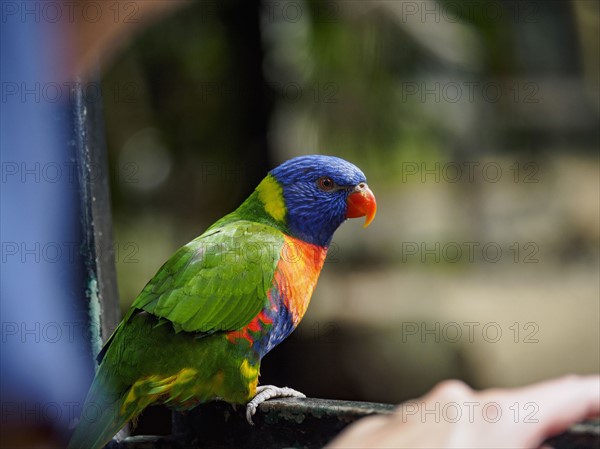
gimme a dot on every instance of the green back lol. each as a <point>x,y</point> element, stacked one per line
<point>218,281</point>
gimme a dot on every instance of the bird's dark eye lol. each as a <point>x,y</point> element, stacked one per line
<point>326,184</point>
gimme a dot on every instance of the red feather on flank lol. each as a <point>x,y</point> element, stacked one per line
<point>256,325</point>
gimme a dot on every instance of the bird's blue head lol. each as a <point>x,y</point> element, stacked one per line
<point>313,195</point>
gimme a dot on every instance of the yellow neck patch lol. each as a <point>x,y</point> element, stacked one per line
<point>270,194</point>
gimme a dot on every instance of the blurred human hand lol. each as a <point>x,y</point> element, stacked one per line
<point>452,415</point>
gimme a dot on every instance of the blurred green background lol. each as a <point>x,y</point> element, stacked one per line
<point>476,124</point>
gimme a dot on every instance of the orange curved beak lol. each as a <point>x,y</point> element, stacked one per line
<point>361,203</point>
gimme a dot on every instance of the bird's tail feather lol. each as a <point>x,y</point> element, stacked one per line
<point>110,404</point>
<point>102,415</point>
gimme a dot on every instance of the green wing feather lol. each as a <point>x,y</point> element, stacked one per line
<point>217,282</point>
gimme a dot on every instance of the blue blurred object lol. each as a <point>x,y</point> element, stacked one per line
<point>45,357</point>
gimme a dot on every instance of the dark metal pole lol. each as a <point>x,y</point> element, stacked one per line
<point>96,216</point>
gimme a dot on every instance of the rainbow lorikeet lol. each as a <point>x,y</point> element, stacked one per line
<point>199,329</point>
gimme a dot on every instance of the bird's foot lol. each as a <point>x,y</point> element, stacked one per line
<point>266,392</point>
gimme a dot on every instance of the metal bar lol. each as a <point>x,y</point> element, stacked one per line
<point>301,423</point>
<point>295,423</point>
<point>96,217</point>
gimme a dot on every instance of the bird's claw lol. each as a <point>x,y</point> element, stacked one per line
<point>266,392</point>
